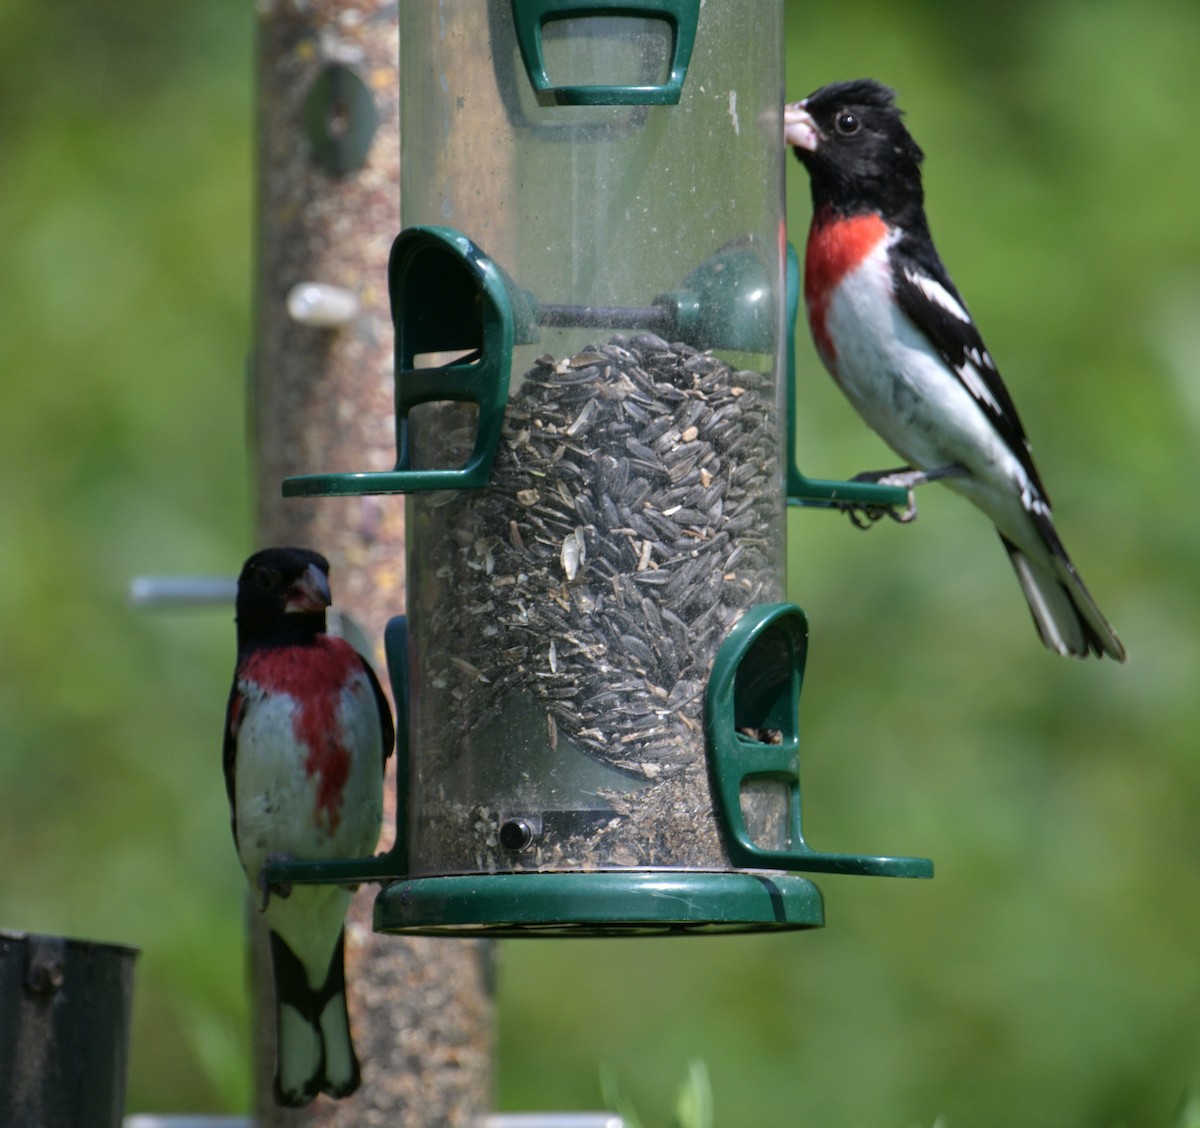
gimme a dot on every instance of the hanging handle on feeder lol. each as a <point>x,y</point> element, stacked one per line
<point>751,724</point>
<point>531,16</point>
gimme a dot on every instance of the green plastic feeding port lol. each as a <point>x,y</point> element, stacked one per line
<point>456,317</point>
<point>605,37</point>
<point>751,720</point>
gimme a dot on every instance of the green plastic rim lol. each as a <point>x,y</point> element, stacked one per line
<point>604,903</point>
<point>530,16</point>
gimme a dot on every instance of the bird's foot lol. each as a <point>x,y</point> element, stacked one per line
<point>865,516</point>
<point>279,888</point>
<point>905,477</point>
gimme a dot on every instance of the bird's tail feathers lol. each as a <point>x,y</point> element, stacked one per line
<point>342,1073</point>
<point>1063,609</point>
<point>314,1051</point>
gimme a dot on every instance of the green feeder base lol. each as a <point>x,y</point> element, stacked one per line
<point>599,904</point>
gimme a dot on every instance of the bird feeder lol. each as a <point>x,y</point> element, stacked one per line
<point>597,676</point>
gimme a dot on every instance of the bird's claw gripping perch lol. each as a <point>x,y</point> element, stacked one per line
<point>865,516</point>
<point>279,888</point>
<point>905,477</point>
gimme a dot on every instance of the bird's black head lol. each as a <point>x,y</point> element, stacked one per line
<point>282,595</point>
<point>859,155</point>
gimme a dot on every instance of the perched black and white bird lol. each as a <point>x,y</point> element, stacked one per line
<point>307,733</point>
<point>896,336</point>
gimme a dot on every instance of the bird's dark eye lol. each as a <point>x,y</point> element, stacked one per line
<point>266,579</point>
<point>847,123</point>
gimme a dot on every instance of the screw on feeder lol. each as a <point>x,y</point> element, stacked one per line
<point>515,834</point>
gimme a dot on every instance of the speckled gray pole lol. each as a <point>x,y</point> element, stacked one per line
<point>321,400</point>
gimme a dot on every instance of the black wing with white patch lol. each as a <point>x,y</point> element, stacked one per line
<point>927,295</point>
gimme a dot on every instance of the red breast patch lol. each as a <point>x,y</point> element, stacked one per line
<point>314,677</point>
<point>836,245</point>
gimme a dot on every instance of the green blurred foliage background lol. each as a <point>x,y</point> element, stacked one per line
<point>1049,975</point>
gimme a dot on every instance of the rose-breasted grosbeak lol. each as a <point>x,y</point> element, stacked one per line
<point>894,332</point>
<point>307,732</point>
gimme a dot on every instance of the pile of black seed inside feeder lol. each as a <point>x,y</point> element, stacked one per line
<point>634,512</point>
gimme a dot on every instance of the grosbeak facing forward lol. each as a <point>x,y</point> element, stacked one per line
<point>894,332</point>
<point>307,732</point>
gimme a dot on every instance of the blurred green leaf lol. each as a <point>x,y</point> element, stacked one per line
<point>1189,1110</point>
<point>693,1107</point>
<point>694,1101</point>
<point>615,1098</point>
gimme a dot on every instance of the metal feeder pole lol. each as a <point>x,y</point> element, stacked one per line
<point>321,395</point>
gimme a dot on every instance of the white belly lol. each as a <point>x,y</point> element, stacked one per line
<point>903,389</point>
<point>286,808</point>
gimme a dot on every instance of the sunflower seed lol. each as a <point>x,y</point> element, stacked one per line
<point>628,522</point>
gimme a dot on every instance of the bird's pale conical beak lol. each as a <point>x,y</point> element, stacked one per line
<point>309,593</point>
<point>799,129</point>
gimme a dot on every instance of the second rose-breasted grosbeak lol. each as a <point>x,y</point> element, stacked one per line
<point>307,733</point>
<point>894,332</point>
